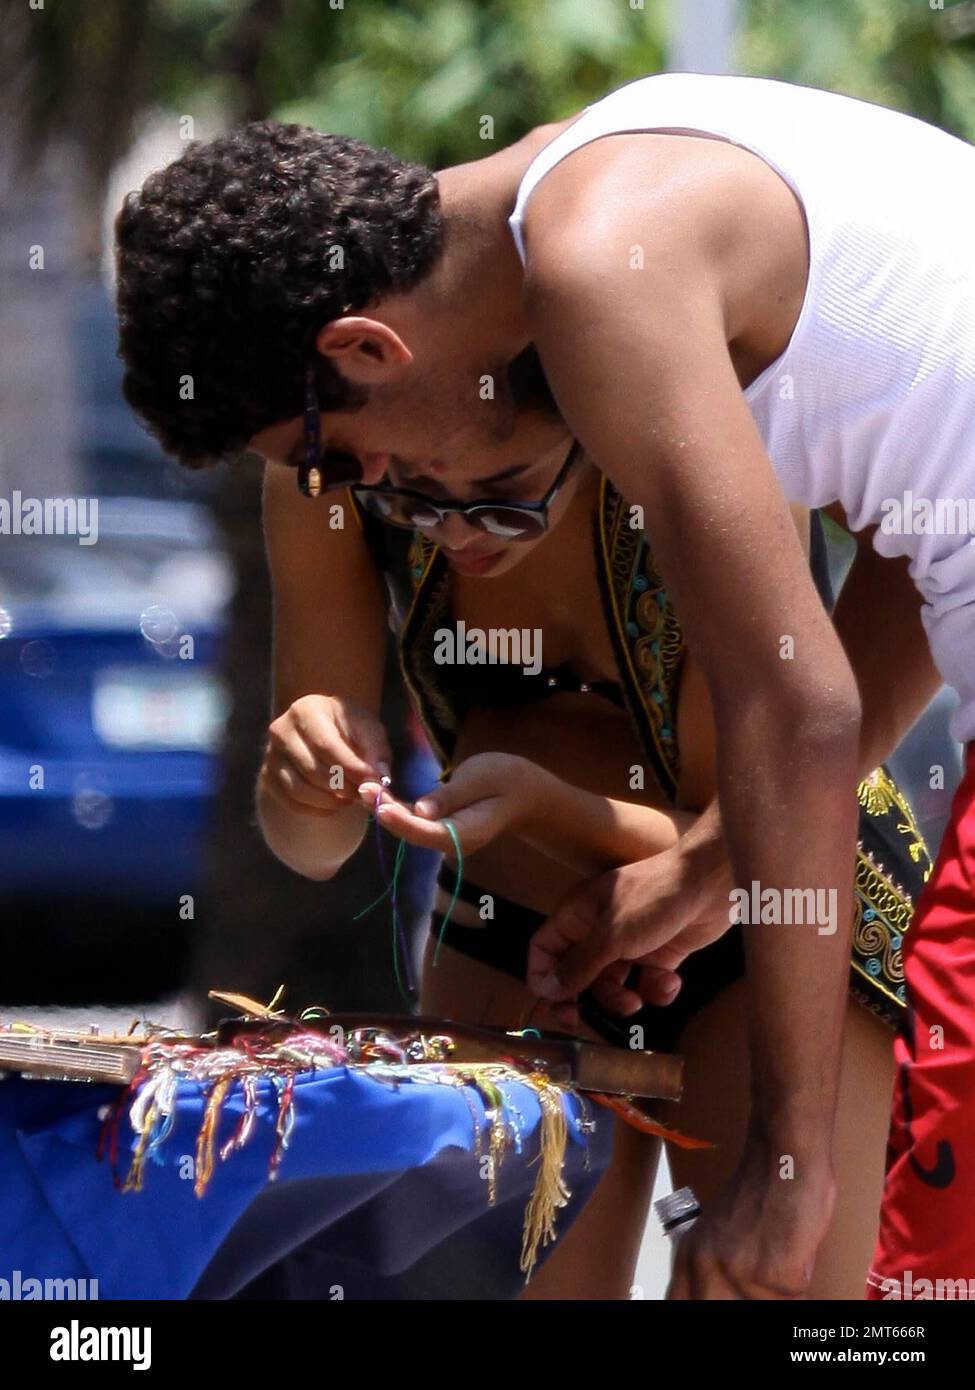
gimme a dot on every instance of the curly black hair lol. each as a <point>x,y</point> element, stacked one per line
<point>233,257</point>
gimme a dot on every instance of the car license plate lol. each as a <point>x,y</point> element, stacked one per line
<point>137,709</point>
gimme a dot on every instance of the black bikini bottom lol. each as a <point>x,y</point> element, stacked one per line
<point>503,944</point>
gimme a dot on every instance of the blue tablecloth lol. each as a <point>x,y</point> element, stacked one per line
<point>379,1194</point>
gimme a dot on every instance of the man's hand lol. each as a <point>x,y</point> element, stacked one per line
<point>759,1237</point>
<point>651,914</point>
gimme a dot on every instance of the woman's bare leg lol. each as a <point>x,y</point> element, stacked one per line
<point>597,1257</point>
<point>715,1106</point>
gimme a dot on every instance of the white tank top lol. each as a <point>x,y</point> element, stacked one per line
<point>873,401</point>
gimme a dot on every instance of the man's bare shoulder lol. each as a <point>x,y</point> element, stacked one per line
<point>685,198</point>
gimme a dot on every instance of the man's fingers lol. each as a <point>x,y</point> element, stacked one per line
<point>618,994</point>
<point>616,998</point>
<point>567,1016</point>
<point>656,986</point>
<point>572,947</point>
<point>697,1275</point>
<point>669,956</point>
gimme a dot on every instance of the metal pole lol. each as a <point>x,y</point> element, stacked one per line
<point>702,35</point>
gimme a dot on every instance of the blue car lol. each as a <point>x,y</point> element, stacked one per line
<point>111,706</point>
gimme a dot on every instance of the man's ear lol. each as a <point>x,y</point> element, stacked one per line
<point>365,351</point>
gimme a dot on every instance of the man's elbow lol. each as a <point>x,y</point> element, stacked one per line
<point>819,716</point>
<point>830,729</point>
<point>822,720</point>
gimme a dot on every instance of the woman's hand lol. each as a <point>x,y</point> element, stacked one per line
<point>488,795</point>
<point>319,751</point>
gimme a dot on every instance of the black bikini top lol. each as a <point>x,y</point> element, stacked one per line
<point>507,686</point>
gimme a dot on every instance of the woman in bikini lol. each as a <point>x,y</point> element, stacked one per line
<point>602,756</point>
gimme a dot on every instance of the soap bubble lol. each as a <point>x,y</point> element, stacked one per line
<point>92,808</point>
<point>158,625</point>
<point>38,659</point>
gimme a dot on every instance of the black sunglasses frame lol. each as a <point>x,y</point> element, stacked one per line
<point>537,512</point>
<point>313,476</point>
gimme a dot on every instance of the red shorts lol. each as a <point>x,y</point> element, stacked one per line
<point>927,1219</point>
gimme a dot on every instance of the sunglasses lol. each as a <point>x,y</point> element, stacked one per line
<point>318,472</point>
<point>415,511</point>
<point>509,521</point>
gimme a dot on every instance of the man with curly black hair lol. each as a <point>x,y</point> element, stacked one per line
<point>233,258</point>
<point>739,293</point>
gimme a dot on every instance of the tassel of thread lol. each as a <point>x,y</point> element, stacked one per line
<point>108,1139</point>
<point>133,1182</point>
<point>550,1192</point>
<point>206,1138</point>
<point>285,1122</point>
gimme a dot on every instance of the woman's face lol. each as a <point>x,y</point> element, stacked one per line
<point>471,551</point>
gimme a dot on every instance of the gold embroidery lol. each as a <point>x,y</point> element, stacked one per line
<point>647,636</point>
<point>883,896</point>
<point>877,794</point>
<point>649,614</point>
<point>425,695</point>
<point>883,913</point>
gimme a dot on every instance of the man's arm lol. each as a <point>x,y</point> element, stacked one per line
<point>878,620</point>
<point>877,617</point>
<point>640,366</point>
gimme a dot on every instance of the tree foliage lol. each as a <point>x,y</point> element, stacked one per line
<point>421,76</point>
<point>900,53</point>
